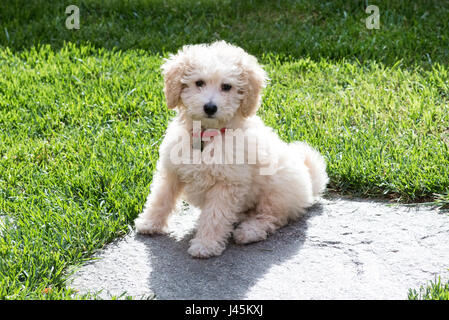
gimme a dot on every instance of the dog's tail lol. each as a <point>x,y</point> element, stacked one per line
<point>317,167</point>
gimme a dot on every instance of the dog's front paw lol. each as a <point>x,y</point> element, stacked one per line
<point>248,233</point>
<point>202,249</point>
<point>148,226</point>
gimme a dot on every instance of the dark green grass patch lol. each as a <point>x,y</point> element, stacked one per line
<point>416,32</point>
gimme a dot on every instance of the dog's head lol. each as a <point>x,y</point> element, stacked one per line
<point>213,83</point>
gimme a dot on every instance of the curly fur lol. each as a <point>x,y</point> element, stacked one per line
<point>228,193</point>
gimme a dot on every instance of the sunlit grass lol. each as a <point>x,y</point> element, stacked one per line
<point>436,290</point>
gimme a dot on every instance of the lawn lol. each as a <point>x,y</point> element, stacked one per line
<point>82,112</point>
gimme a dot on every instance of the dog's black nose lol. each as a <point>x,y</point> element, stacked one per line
<point>210,108</point>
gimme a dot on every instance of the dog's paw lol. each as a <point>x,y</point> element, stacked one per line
<point>201,249</point>
<point>147,226</point>
<point>248,233</point>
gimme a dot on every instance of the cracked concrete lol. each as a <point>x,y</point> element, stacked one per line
<point>342,249</point>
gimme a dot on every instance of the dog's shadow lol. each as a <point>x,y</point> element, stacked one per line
<point>176,275</point>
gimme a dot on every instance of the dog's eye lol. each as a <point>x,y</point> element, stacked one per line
<point>226,87</point>
<point>199,83</point>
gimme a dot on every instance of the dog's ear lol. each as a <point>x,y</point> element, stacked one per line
<point>173,71</point>
<point>255,78</point>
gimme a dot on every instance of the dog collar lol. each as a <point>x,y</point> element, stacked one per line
<point>209,133</point>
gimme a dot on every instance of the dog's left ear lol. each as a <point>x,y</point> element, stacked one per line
<point>255,78</point>
<point>173,71</point>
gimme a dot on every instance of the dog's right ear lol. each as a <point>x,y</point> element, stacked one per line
<point>173,71</point>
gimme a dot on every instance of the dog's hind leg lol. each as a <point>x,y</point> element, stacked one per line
<point>264,220</point>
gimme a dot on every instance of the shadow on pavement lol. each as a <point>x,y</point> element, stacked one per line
<point>176,275</point>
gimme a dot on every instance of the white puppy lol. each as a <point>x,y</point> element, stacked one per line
<point>259,184</point>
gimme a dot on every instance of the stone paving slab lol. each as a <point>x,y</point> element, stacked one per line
<point>342,249</point>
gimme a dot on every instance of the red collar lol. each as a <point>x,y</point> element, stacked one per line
<point>209,133</point>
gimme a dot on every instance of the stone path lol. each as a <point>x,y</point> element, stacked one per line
<point>342,249</point>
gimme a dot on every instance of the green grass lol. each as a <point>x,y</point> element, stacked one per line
<point>82,112</point>
<point>434,291</point>
<point>414,32</point>
<point>80,130</point>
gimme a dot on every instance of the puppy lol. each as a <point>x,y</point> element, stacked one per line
<point>247,189</point>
